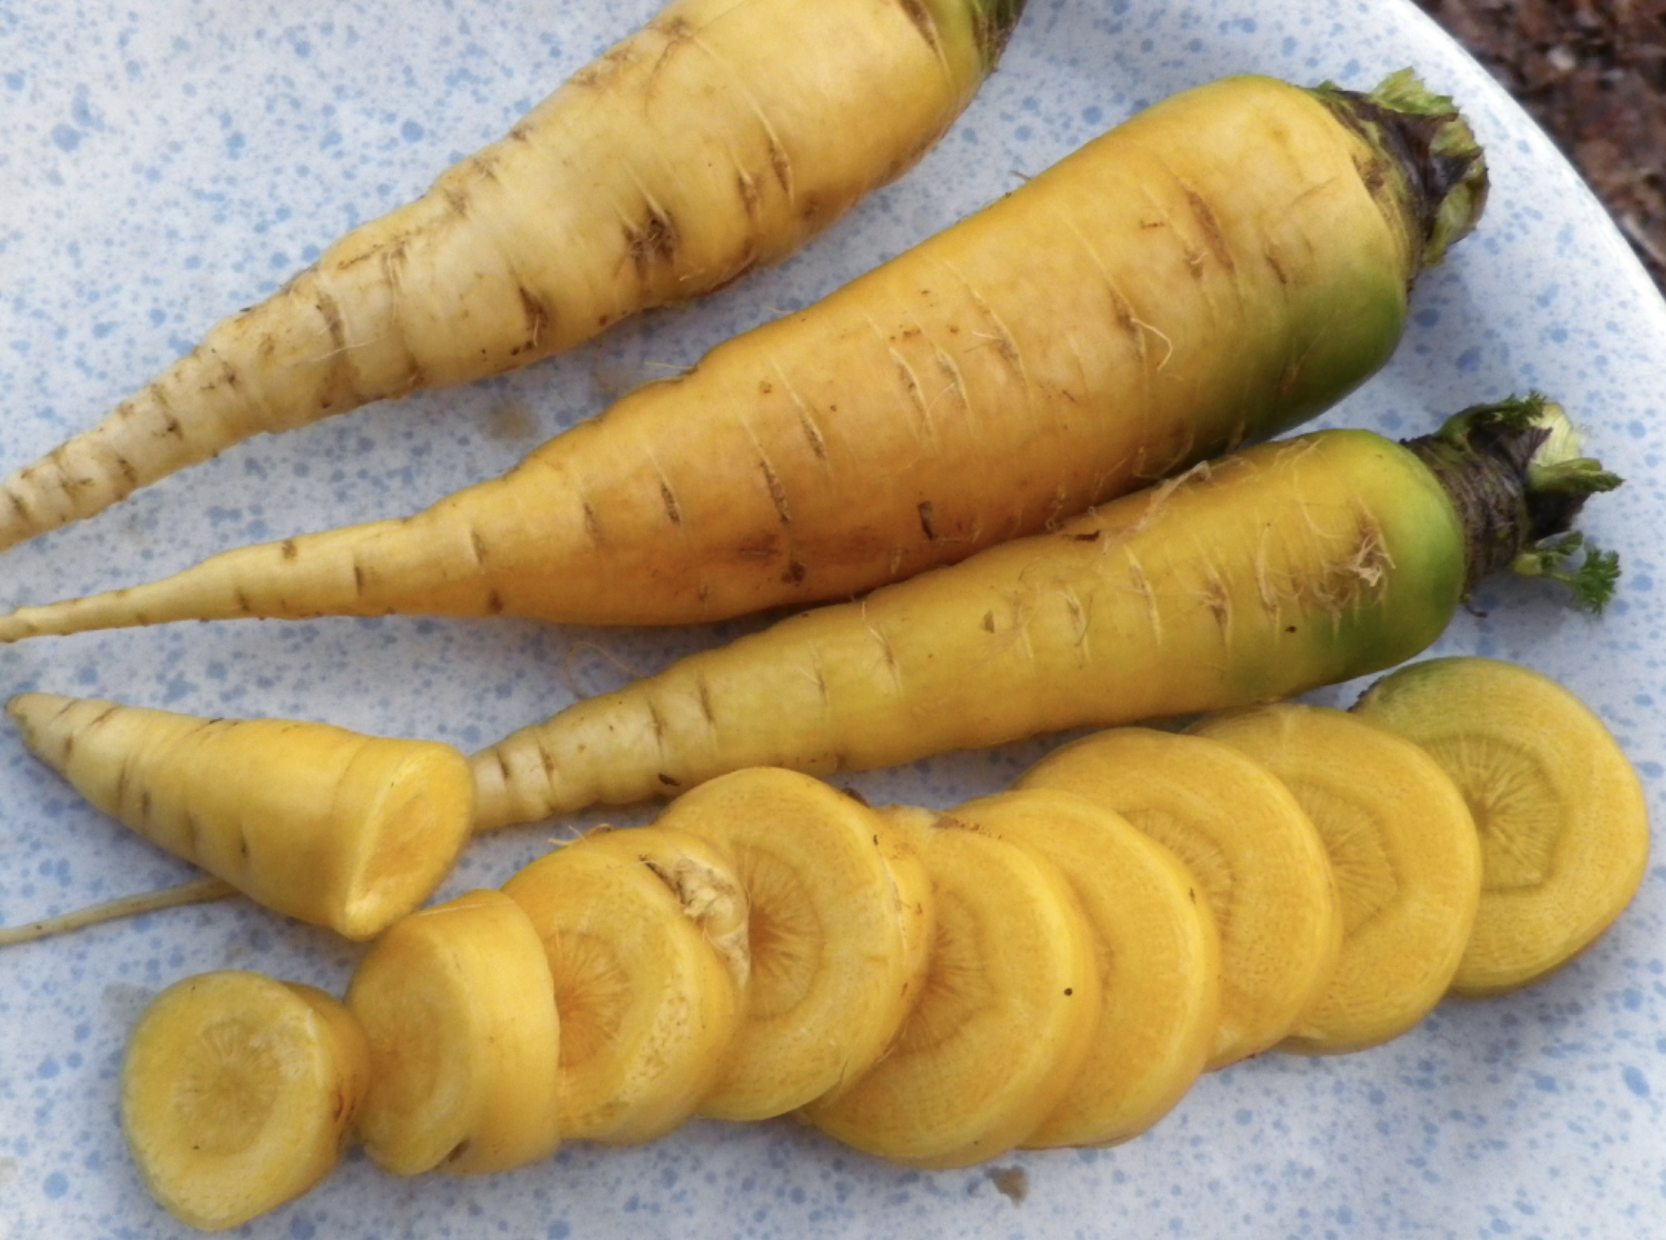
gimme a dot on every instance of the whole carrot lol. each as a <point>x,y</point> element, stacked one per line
<point>721,136</point>
<point>1221,267</point>
<point>1280,569</point>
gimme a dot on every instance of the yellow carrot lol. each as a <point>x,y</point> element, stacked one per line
<point>346,831</point>
<point>723,135</point>
<point>1221,267</point>
<point>1268,573</point>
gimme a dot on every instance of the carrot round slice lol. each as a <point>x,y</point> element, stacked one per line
<point>1562,817</point>
<point>1407,863</point>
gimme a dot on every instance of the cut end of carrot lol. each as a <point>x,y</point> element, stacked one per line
<point>420,816</point>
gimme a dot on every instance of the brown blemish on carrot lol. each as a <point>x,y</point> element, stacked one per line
<point>599,72</point>
<point>1213,235</point>
<point>917,13</point>
<point>1277,265</point>
<point>926,527</point>
<point>678,30</point>
<point>1219,601</point>
<point>669,498</point>
<point>393,259</point>
<point>537,317</point>
<point>795,573</point>
<point>777,492</point>
<point>288,550</point>
<point>494,603</point>
<point>780,165</point>
<point>653,241</point>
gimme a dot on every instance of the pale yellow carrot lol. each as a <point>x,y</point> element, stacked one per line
<point>346,831</point>
<point>1221,267</point>
<point>723,135</point>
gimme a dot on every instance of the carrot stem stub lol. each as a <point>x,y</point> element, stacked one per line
<point>1252,579</point>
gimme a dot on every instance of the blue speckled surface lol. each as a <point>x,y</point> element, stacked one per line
<point>163,164</point>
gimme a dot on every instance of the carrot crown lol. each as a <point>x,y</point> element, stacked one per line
<point>1515,474</point>
<point>1428,148</point>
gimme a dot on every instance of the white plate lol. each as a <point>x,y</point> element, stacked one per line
<point>163,164</point>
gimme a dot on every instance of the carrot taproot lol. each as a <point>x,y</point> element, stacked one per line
<point>721,136</point>
<point>1217,269</point>
<point>1270,572</point>
<point>326,825</point>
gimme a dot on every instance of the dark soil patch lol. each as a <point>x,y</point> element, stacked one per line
<point>1593,73</point>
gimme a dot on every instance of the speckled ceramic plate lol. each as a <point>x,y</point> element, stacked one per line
<point>162,164</point>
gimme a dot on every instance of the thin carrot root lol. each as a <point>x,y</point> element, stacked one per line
<point>196,891</point>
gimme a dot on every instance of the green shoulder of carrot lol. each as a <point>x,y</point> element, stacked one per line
<point>1467,828</point>
<point>1218,269</point>
<point>718,138</point>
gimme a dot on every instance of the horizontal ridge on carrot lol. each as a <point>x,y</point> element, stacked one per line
<point>1214,271</point>
<point>722,136</point>
<point>1251,579</point>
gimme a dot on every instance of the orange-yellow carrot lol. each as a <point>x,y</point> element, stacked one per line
<point>1219,268</point>
<point>723,135</point>
<point>1285,567</point>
